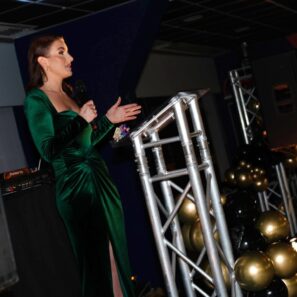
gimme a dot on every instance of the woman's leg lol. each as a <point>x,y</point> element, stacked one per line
<point>117,290</point>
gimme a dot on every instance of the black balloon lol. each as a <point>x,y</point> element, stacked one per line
<point>256,154</point>
<point>277,288</point>
<point>241,208</point>
<point>246,238</point>
<point>245,152</point>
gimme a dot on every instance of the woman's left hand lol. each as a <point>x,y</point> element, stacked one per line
<point>117,114</point>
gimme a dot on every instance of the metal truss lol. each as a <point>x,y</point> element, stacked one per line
<point>196,181</point>
<point>278,195</point>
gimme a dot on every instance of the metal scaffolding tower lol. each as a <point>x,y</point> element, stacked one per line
<point>195,181</point>
<point>278,191</point>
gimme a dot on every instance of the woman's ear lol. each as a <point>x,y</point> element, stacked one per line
<point>42,62</point>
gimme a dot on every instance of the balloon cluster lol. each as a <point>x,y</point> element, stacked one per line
<point>193,236</point>
<point>250,169</point>
<point>191,229</point>
<point>267,265</point>
<point>266,259</point>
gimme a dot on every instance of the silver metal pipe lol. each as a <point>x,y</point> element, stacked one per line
<point>188,260</point>
<point>169,201</point>
<point>241,100</point>
<point>266,200</point>
<point>160,142</point>
<point>290,198</point>
<point>176,208</point>
<point>154,216</point>
<point>214,190</point>
<point>175,173</point>
<point>261,201</point>
<point>199,195</point>
<point>232,75</point>
<point>285,197</point>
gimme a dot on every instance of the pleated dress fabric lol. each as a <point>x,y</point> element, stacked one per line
<point>86,197</point>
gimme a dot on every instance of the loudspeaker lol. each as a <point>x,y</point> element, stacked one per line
<point>276,82</point>
<point>44,258</point>
<point>8,271</point>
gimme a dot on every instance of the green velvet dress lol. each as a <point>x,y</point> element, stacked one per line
<point>86,197</point>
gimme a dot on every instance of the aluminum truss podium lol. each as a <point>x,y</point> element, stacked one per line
<point>160,186</point>
<point>279,188</point>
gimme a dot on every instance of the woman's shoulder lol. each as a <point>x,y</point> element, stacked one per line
<point>36,97</point>
<point>35,93</point>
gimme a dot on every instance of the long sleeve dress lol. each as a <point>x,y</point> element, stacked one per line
<point>86,197</point>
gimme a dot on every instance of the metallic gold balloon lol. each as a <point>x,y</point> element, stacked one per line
<point>260,184</point>
<point>273,225</point>
<point>261,171</point>
<point>243,177</point>
<point>289,162</point>
<point>226,276</point>
<point>284,259</point>
<point>196,236</point>
<point>230,177</point>
<point>185,230</point>
<point>223,199</point>
<point>291,284</point>
<point>187,212</point>
<point>253,271</point>
<point>254,105</point>
<point>244,164</point>
<point>293,243</point>
<point>257,172</point>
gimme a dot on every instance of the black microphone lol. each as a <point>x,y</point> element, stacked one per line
<point>80,93</point>
<point>80,96</point>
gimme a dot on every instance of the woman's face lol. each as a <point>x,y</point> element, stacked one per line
<point>58,60</point>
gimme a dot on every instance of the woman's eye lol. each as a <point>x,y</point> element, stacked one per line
<point>61,53</point>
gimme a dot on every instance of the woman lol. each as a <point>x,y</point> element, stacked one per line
<point>86,198</point>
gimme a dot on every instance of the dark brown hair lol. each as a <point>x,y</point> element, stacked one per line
<point>39,47</point>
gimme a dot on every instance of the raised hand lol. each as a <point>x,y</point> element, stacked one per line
<point>117,113</point>
<point>88,111</point>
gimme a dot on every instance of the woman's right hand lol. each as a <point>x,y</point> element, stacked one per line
<point>88,111</point>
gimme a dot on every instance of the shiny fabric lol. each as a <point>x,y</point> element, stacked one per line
<point>86,197</point>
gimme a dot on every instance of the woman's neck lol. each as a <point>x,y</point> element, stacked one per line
<point>53,86</point>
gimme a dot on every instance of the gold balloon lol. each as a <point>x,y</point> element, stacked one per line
<point>293,243</point>
<point>223,199</point>
<point>244,164</point>
<point>254,105</point>
<point>188,212</point>
<point>230,177</point>
<point>260,184</point>
<point>257,172</point>
<point>291,284</point>
<point>260,171</point>
<point>243,177</point>
<point>253,271</point>
<point>284,259</point>
<point>226,276</point>
<point>290,162</point>
<point>185,230</point>
<point>273,225</point>
<point>196,236</point>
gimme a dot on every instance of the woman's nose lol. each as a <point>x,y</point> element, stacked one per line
<point>70,58</point>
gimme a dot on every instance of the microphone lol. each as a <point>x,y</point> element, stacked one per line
<point>80,95</point>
